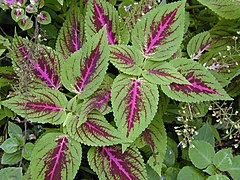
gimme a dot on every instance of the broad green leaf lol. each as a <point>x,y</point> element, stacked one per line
<point>218,177</point>
<point>189,172</point>
<point>56,156</point>
<point>71,36</point>
<point>27,150</point>
<point>14,130</point>
<point>162,73</point>
<point>203,86</point>
<point>171,173</point>
<point>205,133</point>
<point>201,153</point>
<point>134,102</point>
<point>44,18</point>
<point>43,106</point>
<point>159,33</point>
<point>110,163</point>
<point>235,168</point>
<point>223,159</point>
<point>11,158</point>
<point>84,71</point>
<point>11,173</point>
<point>151,174</point>
<point>170,158</point>
<point>94,131</point>
<point>127,59</point>
<point>198,44</point>
<point>39,62</point>
<point>10,145</point>
<point>229,9</point>
<point>99,14</point>
<point>25,23</point>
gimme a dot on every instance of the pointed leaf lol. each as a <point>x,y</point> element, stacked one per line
<point>160,32</point>
<point>71,35</point>
<point>229,9</point>
<point>134,102</point>
<point>127,59</point>
<point>40,61</point>
<point>162,73</point>
<point>85,69</point>
<point>99,14</point>
<point>198,44</point>
<point>95,131</point>
<point>111,163</point>
<point>56,156</point>
<point>203,86</point>
<point>43,106</point>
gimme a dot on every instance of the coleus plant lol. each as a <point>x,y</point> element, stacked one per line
<point>114,114</point>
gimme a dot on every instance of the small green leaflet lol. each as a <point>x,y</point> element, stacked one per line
<point>134,102</point>
<point>84,70</point>
<point>56,156</point>
<point>223,159</point>
<point>110,163</point>
<point>228,9</point>
<point>162,73</point>
<point>159,33</point>
<point>198,44</point>
<point>43,106</point>
<point>203,86</point>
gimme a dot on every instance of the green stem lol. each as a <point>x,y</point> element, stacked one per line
<point>194,7</point>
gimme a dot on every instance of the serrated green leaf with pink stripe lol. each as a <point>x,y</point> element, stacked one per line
<point>71,35</point>
<point>85,69</point>
<point>94,131</point>
<point>110,163</point>
<point>162,73</point>
<point>203,86</point>
<point>134,102</point>
<point>159,33</point>
<point>127,59</point>
<point>42,106</point>
<point>55,156</point>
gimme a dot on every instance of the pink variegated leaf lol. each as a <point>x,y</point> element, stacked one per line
<point>127,59</point>
<point>99,14</point>
<point>55,156</point>
<point>40,62</point>
<point>94,131</point>
<point>198,44</point>
<point>162,73</point>
<point>43,106</point>
<point>85,69</point>
<point>203,86</point>
<point>71,35</point>
<point>134,102</point>
<point>110,163</point>
<point>159,33</point>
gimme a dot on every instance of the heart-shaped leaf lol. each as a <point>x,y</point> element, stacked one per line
<point>17,14</point>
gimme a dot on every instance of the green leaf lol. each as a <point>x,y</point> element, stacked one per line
<point>223,159</point>
<point>11,173</point>
<point>229,9</point>
<point>17,14</point>
<point>55,156</point>
<point>170,158</point>
<point>198,44</point>
<point>44,18</point>
<point>203,86</point>
<point>218,177</point>
<point>12,158</point>
<point>27,150</point>
<point>10,145</point>
<point>60,2</point>
<point>127,59</point>
<point>201,153</point>
<point>25,23</point>
<point>162,73</point>
<point>189,172</point>
<point>84,71</point>
<point>211,170</point>
<point>43,106</point>
<point>14,130</point>
<point>151,174</point>
<point>2,51</point>
<point>159,33</point>
<point>205,133</point>
<point>235,168</point>
<point>134,102</point>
